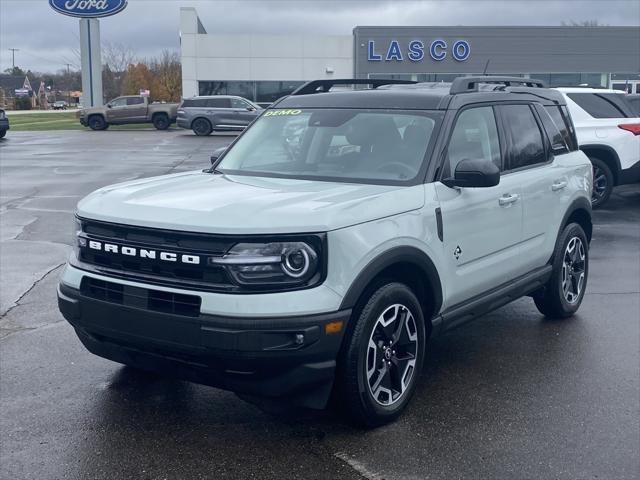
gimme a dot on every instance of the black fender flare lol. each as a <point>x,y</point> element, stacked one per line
<point>404,254</point>
<point>580,203</point>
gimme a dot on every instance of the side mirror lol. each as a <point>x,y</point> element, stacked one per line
<point>217,153</point>
<point>109,105</point>
<point>251,109</point>
<point>474,173</point>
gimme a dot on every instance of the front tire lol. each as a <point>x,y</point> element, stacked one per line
<point>383,356</point>
<point>2,133</point>
<point>97,123</point>
<point>602,183</point>
<point>201,127</point>
<point>562,295</point>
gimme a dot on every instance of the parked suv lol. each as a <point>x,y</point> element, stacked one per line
<point>298,267</point>
<point>4,123</point>
<point>220,113</point>
<point>608,131</point>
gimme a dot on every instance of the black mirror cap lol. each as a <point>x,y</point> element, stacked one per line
<point>474,173</point>
<point>217,153</point>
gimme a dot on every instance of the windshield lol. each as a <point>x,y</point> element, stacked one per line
<point>349,145</point>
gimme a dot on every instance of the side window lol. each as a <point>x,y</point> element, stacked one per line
<point>237,103</point>
<point>135,101</point>
<point>602,105</point>
<point>556,138</point>
<point>526,147</point>
<point>218,103</point>
<point>119,102</point>
<point>475,136</point>
<point>561,120</point>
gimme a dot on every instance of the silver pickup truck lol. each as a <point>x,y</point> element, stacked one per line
<point>127,110</point>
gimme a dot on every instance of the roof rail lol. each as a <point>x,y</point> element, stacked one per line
<point>318,86</point>
<point>470,84</point>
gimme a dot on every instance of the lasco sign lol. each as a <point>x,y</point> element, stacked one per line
<point>416,50</point>
<point>88,8</point>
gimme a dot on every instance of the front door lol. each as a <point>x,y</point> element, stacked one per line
<point>482,227</point>
<point>116,109</point>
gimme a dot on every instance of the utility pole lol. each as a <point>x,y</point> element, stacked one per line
<point>13,57</point>
<point>68,82</point>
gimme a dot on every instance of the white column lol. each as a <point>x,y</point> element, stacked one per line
<point>91,62</point>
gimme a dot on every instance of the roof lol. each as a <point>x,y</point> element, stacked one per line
<point>9,83</point>
<point>587,90</point>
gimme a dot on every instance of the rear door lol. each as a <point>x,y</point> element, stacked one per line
<point>220,113</point>
<point>136,109</point>
<point>530,163</point>
<point>482,227</point>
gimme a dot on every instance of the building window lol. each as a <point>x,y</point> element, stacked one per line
<point>256,91</point>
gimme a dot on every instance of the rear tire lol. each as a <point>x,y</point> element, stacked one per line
<point>2,133</point>
<point>96,122</point>
<point>382,358</point>
<point>602,183</point>
<point>562,295</point>
<point>201,127</point>
<point>161,121</point>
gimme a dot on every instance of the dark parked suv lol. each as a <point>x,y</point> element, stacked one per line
<point>222,113</point>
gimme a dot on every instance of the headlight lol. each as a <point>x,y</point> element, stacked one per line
<point>269,264</point>
<point>77,241</point>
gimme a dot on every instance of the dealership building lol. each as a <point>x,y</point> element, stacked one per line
<point>263,68</point>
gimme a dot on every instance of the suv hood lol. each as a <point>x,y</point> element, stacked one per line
<point>233,204</point>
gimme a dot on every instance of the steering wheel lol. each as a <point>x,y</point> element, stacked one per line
<point>393,167</point>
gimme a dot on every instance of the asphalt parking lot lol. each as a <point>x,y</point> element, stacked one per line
<point>510,396</point>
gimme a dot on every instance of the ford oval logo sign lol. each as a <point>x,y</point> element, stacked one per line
<point>88,8</point>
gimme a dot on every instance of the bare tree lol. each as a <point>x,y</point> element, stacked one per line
<point>117,55</point>
<point>583,23</point>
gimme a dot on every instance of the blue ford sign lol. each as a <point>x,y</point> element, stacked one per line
<point>416,50</point>
<point>88,8</point>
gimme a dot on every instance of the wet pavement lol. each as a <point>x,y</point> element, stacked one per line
<point>510,396</point>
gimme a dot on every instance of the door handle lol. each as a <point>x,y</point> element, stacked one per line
<point>507,199</point>
<point>559,185</point>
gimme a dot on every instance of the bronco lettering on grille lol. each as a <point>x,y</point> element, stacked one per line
<point>143,253</point>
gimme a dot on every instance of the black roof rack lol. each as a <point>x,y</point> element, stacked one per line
<point>470,84</point>
<point>317,86</point>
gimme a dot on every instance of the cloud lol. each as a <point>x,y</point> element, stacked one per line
<point>48,40</point>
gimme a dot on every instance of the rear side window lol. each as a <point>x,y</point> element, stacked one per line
<point>475,136</point>
<point>553,133</point>
<point>135,101</point>
<point>194,102</point>
<point>603,105</point>
<point>563,123</point>
<point>218,103</point>
<point>526,147</point>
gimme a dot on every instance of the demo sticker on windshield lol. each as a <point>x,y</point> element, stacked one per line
<point>282,112</point>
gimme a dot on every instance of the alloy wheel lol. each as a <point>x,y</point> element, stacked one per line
<point>391,355</point>
<point>599,189</point>
<point>573,270</point>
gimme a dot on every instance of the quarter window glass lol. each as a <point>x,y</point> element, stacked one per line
<point>525,147</point>
<point>194,103</point>
<point>556,138</point>
<point>135,101</point>
<point>602,105</point>
<point>475,136</point>
<point>558,120</point>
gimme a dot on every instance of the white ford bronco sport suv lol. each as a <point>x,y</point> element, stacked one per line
<point>608,132</point>
<point>333,237</point>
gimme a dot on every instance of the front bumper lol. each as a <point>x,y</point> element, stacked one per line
<point>83,121</point>
<point>257,356</point>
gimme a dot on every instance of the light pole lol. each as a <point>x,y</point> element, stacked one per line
<point>13,57</point>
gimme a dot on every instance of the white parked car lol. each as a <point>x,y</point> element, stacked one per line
<point>608,131</point>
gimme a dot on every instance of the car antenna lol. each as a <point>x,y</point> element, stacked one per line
<point>486,66</point>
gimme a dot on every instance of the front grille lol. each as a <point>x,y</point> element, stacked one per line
<point>147,299</point>
<point>202,276</point>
